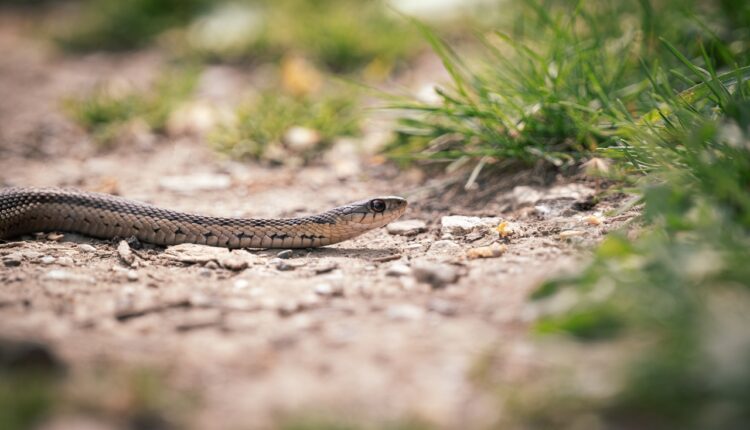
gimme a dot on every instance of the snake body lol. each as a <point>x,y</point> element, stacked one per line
<point>29,210</point>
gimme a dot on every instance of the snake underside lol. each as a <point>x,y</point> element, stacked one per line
<point>28,210</point>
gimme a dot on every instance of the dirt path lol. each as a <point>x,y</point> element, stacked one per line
<point>360,329</point>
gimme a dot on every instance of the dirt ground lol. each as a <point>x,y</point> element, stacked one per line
<point>360,331</point>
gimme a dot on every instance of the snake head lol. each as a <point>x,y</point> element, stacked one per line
<point>372,213</point>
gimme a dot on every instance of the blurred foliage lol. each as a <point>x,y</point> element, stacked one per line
<point>118,25</point>
<point>260,125</point>
<point>342,35</point>
<point>26,398</point>
<point>683,284</point>
<point>106,111</point>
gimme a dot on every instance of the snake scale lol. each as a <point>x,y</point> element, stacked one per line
<point>30,210</point>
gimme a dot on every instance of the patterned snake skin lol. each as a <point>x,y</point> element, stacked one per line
<point>29,210</point>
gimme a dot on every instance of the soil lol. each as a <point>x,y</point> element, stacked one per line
<point>348,331</point>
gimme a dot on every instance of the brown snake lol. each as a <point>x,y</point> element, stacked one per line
<point>29,210</point>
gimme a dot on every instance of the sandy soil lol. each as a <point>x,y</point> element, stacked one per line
<point>350,330</point>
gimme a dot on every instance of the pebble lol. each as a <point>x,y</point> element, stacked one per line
<point>442,307</point>
<point>329,290</point>
<point>325,268</point>
<point>301,139</point>
<point>126,255</point>
<point>47,259</point>
<point>404,312</point>
<point>65,261</point>
<point>398,269</point>
<point>85,247</point>
<point>235,264</point>
<point>280,264</point>
<point>66,276</point>
<point>211,265</point>
<point>409,227</point>
<point>132,275</point>
<point>287,253</point>
<point>55,237</point>
<point>241,284</point>
<point>491,251</point>
<point>31,255</point>
<point>12,260</point>
<point>567,234</point>
<point>459,225</point>
<point>436,275</point>
<point>196,182</point>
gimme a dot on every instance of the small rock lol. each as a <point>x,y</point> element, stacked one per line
<point>593,220</point>
<point>409,227</point>
<point>85,247</point>
<point>31,255</point>
<point>234,263</point>
<point>12,260</point>
<point>435,274</point>
<point>288,308</point>
<point>329,290</point>
<point>241,284</point>
<point>211,265</point>
<point>65,261</point>
<point>543,210</point>
<point>196,182</point>
<point>281,265</point>
<point>459,225</point>
<point>404,312</point>
<point>55,237</point>
<point>301,139</point>
<point>444,247</point>
<point>47,259</point>
<point>398,269</point>
<point>442,307</point>
<point>132,275</point>
<point>325,268</point>
<point>567,234</point>
<point>491,251</point>
<point>126,255</point>
<point>66,276</point>
<point>287,253</point>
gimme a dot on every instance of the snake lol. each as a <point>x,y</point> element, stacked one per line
<point>104,216</point>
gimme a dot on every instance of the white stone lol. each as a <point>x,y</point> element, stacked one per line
<point>408,227</point>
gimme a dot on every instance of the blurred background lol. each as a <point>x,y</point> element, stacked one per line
<point>647,98</point>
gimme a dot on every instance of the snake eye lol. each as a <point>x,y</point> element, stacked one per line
<point>377,205</point>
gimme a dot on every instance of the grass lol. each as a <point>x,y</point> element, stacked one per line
<point>555,88</point>
<point>260,125</point>
<point>105,113</point>
<point>682,286</point>
<point>661,87</point>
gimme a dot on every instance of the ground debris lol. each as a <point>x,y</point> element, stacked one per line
<point>491,251</point>
<point>125,253</point>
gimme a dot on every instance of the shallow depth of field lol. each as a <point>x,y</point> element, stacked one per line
<point>575,253</point>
